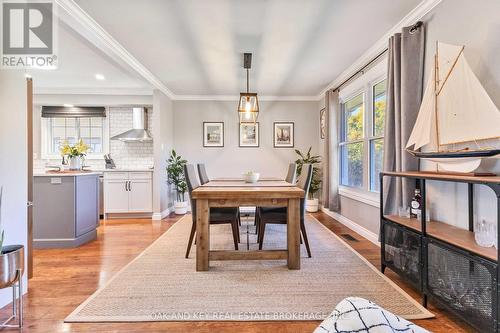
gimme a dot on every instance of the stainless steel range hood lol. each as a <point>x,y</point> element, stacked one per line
<point>139,132</point>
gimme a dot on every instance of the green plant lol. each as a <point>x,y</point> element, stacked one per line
<point>314,160</point>
<point>175,172</point>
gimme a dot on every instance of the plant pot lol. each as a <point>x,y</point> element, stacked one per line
<point>11,261</point>
<point>312,205</point>
<point>75,163</point>
<point>180,207</point>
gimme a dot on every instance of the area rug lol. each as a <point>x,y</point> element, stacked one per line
<point>161,285</point>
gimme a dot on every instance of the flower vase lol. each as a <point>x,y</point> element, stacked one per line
<point>75,163</point>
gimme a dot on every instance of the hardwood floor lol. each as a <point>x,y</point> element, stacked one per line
<point>63,278</point>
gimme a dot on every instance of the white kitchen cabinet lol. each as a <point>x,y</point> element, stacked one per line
<point>128,192</point>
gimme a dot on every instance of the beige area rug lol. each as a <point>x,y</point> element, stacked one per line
<point>161,285</point>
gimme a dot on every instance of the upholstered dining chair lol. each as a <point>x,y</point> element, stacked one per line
<point>270,215</point>
<point>217,215</point>
<point>202,172</point>
<point>291,176</point>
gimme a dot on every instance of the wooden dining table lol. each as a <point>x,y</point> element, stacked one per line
<point>237,193</point>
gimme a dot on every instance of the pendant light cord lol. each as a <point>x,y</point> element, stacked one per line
<point>247,81</point>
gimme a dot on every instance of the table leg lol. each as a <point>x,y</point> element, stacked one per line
<point>202,235</point>
<point>293,234</point>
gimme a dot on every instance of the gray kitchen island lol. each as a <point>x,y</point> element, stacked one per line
<point>65,208</point>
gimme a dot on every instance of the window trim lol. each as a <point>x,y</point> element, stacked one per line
<point>45,141</point>
<point>364,84</point>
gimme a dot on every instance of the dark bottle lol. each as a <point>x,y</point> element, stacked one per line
<point>416,204</point>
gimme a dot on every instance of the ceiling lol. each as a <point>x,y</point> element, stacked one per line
<point>194,47</point>
<point>78,63</point>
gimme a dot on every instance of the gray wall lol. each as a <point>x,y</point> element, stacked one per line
<point>231,160</point>
<point>475,24</point>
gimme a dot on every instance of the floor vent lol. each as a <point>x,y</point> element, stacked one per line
<point>349,237</point>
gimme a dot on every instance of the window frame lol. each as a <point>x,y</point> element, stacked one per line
<point>364,84</point>
<point>46,141</point>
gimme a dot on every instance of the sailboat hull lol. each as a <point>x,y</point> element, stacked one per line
<point>466,161</point>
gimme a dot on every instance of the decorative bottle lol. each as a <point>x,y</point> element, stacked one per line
<point>416,204</point>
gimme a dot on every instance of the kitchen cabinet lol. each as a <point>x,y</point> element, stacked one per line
<point>65,209</point>
<point>128,192</point>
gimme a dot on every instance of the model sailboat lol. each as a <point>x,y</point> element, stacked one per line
<point>455,110</point>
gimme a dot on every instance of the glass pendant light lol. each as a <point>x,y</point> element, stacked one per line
<point>248,107</point>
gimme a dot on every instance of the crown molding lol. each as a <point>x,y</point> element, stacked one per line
<point>92,91</point>
<point>237,97</point>
<point>102,36</point>
<point>412,17</point>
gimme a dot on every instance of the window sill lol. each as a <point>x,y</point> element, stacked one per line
<point>369,198</point>
<point>58,157</point>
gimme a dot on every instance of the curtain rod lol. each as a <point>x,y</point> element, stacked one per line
<point>384,51</point>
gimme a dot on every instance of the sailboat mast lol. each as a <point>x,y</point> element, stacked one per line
<point>436,83</point>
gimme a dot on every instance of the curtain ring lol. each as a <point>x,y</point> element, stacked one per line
<point>415,27</point>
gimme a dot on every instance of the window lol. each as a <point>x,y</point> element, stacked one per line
<point>351,148</point>
<point>90,130</point>
<point>363,105</point>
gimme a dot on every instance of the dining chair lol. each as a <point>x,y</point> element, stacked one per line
<point>202,172</point>
<point>271,215</point>
<point>218,215</point>
<point>291,177</point>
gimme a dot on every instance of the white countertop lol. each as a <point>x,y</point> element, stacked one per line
<point>65,174</point>
<point>126,170</point>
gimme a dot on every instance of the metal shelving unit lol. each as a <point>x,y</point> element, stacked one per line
<point>442,261</point>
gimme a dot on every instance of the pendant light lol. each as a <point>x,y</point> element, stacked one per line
<point>248,107</point>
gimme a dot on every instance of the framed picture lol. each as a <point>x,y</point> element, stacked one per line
<point>283,135</point>
<point>322,123</point>
<point>213,134</point>
<point>249,134</point>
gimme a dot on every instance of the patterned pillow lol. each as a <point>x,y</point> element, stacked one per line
<point>358,315</point>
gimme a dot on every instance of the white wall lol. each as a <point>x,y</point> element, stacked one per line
<point>163,138</point>
<point>13,162</point>
<point>231,160</point>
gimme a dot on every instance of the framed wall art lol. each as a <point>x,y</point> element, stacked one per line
<point>213,134</point>
<point>283,135</point>
<point>249,134</point>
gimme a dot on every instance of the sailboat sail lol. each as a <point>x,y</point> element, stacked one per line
<point>458,105</point>
<point>465,111</point>
<point>424,131</point>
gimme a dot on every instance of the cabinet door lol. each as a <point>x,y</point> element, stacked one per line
<point>141,196</point>
<point>116,196</point>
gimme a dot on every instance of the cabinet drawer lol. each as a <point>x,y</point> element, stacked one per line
<point>116,175</point>
<point>139,175</point>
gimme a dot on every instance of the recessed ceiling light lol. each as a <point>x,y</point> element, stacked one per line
<point>68,105</point>
<point>99,77</point>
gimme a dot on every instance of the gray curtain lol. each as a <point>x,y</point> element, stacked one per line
<point>331,199</point>
<point>404,94</point>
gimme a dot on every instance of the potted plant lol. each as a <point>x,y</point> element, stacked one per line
<point>312,203</point>
<point>175,172</point>
<point>75,154</point>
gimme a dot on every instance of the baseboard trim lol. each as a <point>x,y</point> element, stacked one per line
<point>162,215</point>
<point>371,236</point>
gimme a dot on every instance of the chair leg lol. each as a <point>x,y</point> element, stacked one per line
<point>262,229</point>
<point>234,226</point>
<point>306,241</point>
<point>191,237</point>
<point>238,224</point>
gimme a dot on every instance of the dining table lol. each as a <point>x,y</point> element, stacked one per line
<point>267,192</point>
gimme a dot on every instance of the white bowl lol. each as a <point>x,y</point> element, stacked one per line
<point>251,178</point>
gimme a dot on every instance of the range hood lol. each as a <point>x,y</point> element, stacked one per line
<point>139,132</point>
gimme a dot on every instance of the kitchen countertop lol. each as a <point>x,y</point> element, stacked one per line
<point>126,170</point>
<point>65,173</point>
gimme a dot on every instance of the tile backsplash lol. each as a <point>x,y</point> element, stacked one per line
<point>127,155</point>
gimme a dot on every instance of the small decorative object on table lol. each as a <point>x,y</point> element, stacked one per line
<point>484,233</point>
<point>312,203</point>
<point>175,172</point>
<point>75,154</point>
<point>11,275</point>
<point>251,177</point>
